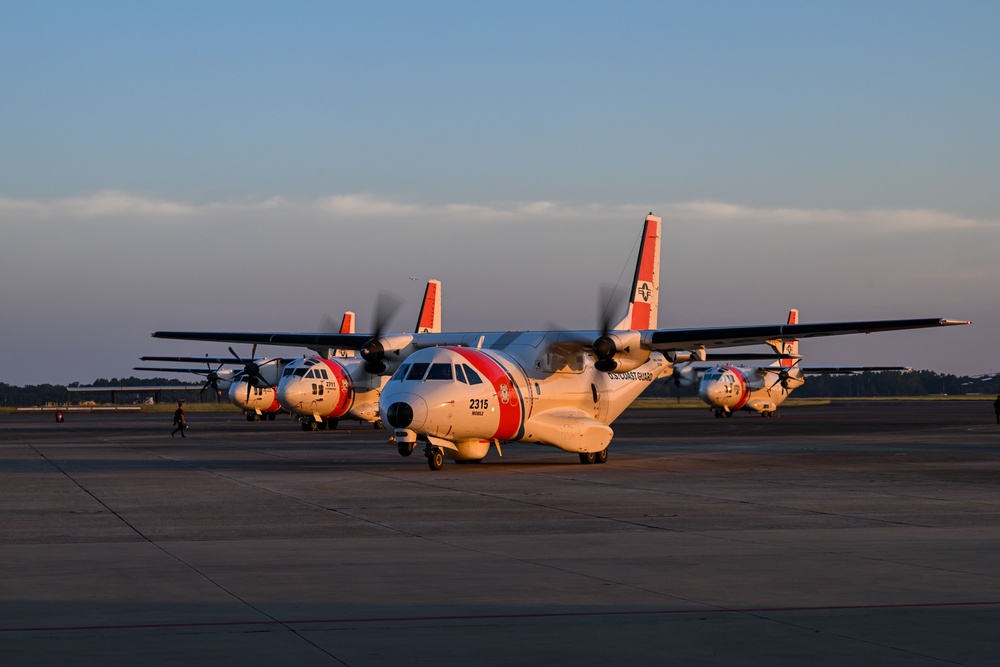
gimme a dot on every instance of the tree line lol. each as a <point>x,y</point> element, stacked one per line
<point>42,394</point>
<point>864,385</point>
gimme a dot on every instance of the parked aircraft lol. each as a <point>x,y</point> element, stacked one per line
<point>463,392</point>
<point>251,388</point>
<point>323,390</point>
<point>727,388</point>
<point>219,378</point>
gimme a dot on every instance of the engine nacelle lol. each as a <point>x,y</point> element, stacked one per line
<point>383,355</point>
<point>619,352</point>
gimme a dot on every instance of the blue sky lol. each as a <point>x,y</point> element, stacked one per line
<point>242,165</point>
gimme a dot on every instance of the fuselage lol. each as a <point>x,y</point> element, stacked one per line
<point>464,398</point>
<point>323,388</point>
<point>730,388</point>
<point>258,399</point>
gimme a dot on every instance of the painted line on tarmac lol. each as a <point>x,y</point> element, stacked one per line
<point>486,617</point>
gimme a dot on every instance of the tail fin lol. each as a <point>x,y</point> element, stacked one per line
<point>789,346</point>
<point>347,324</point>
<point>644,303</point>
<point>429,320</point>
<point>346,327</point>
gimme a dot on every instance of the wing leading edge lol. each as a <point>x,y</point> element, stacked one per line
<point>683,339</point>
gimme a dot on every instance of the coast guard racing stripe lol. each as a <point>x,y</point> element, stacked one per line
<point>744,390</point>
<point>345,386</point>
<point>511,405</point>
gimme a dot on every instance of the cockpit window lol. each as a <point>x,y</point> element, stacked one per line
<point>322,372</point>
<point>460,374</point>
<point>311,374</point>
<point>299,372</point>
<point>472,375</point>
<point>417,371</point>
<point>288,371</point>
<point>439,372</point>
<point>400,375</point>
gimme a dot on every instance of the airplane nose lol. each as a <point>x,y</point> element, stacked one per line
<point>287,394</point>
<point>400,415</point>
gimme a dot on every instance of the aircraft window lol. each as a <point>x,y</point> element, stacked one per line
<point>460,374</point>
<point>439,372</point>
<point>417,371</point>
<point>401,373</point>
<point>538,390</point>
<point>311,374</point>
<point>472,375</point>
<point>288,371</point>
<point>323,373</point>
<point>300,372</point>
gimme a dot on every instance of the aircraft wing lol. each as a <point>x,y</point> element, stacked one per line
<point>850,370</point>
<point>196,371</point>
<point>195,360</point>
<point>684,339</point>
<point>309,340</point>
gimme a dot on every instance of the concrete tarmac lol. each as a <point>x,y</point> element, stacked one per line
<point>852,533</point>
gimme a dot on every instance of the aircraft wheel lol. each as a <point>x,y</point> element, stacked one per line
<point>306,426</point>
<point>313,426</point>
<point>435,458</point>
<point>377,424</point>
<point>589,457</point>
<point>729,414</point>
<point>405,448</point>
<point>271,416</point>
<point>251,417</point>
<point>601,456</point>
<point>331,424</point>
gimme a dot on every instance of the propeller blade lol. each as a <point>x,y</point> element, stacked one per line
<point>604,347</point>
<point>386,306</point>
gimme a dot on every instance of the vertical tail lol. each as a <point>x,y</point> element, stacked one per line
<point>346,327</point>
<point>789,346</point>
<point>429,320</point>
<point>347,324</point>
<point>644,303</point>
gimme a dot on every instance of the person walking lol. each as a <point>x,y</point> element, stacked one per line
<point>179,421</point>
<point>996,408</point>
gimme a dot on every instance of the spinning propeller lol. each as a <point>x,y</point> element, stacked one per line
<point>373,352</point>
<point>251,370</point>
<point>604,347</point>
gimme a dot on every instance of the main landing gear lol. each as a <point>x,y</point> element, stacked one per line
<point>435,457</point>
<point>595,457</point>
<point>405,448</point>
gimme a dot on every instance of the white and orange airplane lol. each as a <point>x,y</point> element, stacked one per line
<point>461,393</point>
<point>251,388</point>
<point>324,389</point>
<point>729,388</point>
